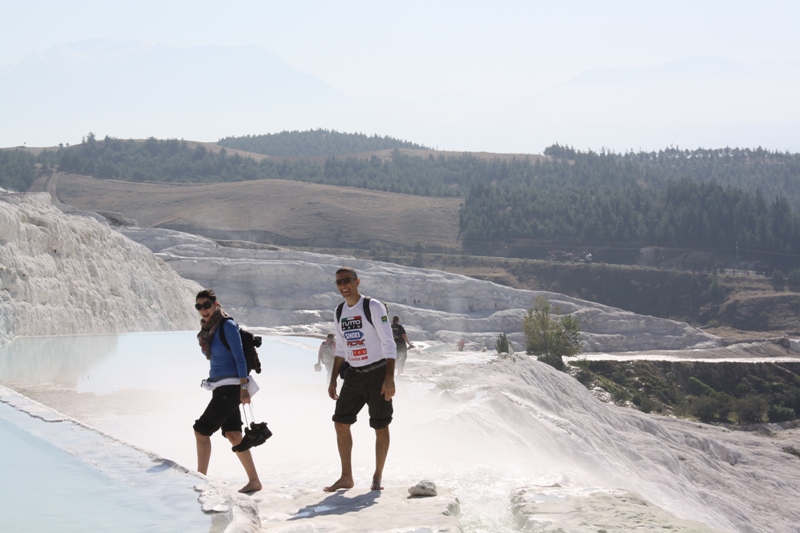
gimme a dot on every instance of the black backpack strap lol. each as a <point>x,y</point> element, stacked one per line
<point>367,312</point>
<point>222,332</point>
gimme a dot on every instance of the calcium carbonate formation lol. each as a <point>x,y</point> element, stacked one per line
<point>65,274</point>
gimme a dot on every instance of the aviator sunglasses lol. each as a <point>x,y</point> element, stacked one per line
<point>343,281</point>
<point>204,305</point>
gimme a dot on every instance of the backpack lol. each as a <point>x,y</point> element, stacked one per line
<point>249,344</point>
<point>367,315</point>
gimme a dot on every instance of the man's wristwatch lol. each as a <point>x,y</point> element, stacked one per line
<point>244,386</point>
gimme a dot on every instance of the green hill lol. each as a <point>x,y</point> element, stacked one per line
<point>314,143</point>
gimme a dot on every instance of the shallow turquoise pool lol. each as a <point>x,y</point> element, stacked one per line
<point>45,488</point>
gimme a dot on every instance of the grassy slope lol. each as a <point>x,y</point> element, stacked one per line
<point>276,211</point>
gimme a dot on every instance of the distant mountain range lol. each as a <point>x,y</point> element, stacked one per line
<point>134,89</point>
<point>113,85</point>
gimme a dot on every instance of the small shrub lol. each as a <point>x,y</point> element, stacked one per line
<point>711,407</point>
<point>778,281</point>
<point>779,413</point>
<point>704,408</point>
<point>618,394</point>
<point>682,409</point>
<point>789,398</point>
<point>744,386</point>
<point>581,363</point>
<point>548,337</point>
<point>750,409</point>
<point>716,292</point>
<point>724,405</point>
<point>553,360</point>
<point>793,280</point>
<point>584,376</point>
<point>501,344</point>
<point>646,405</point>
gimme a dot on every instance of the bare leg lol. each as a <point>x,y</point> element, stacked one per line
<point>381,451</point>
<point>203,452</point>
<point>246,458</point>
<point>344,440</point>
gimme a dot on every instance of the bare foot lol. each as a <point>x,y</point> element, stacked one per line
<point>376,484</point>
<point>251,487</point>
<point>341,483</point>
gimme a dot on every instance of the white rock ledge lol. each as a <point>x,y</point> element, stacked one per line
<point>66,274</point>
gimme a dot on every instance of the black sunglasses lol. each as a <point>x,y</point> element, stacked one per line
<point>205,305</point>
<point>343,281</point>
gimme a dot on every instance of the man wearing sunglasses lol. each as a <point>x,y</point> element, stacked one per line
<point>365,341</point>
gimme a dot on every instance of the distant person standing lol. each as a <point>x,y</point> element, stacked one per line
<point>326,354</point>
<point>229,383</point>
<point>460,344</point>
<point>401,343</point>
<point>365,341</point>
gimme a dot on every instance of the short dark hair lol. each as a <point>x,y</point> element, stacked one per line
<point>206,293</point>
<point>395,318</point>
<point>350,270</point>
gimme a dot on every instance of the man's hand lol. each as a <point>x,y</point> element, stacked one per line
<point>388,389</point>
<point>244,395</point>
<point>332,389</point>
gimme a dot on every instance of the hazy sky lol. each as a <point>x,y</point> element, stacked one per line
<point>428,49</point>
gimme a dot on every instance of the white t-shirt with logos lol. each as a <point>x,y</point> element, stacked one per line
<point>361,343</point>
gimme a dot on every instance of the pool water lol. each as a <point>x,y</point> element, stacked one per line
<point>144,389</point>
<point>45,488</point>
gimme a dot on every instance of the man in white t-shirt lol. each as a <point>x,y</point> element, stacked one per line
<point>370,350</point>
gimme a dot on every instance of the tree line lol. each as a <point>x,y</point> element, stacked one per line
<point>705,199</point>
<point>17,169</point>
<point>773,173</point>
<point>314,143</point>
<point>682,214</point>
<point>672,197</point>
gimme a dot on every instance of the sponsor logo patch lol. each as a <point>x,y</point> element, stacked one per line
<point>349,324</point>
<point>384,318</point>
<point>353,335</point>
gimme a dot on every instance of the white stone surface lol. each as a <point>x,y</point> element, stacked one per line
<point>65,274</point>
<point>555,509</point>
<point>729,480</point>
<point>293,292</point>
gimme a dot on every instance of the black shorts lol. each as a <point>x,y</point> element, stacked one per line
<point>364,388</point>
<point>222,412</point>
